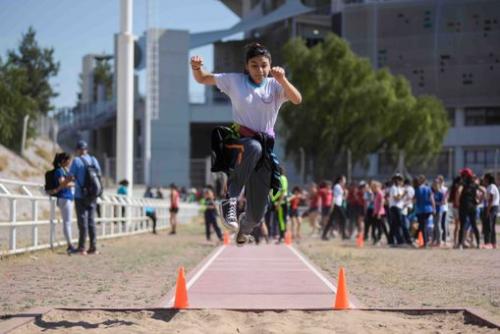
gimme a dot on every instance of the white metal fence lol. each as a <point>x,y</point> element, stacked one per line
<point>29,219</point>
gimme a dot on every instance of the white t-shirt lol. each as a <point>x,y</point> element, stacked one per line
<point>393,192</point>
<point>410,194</point>
<point>492,191</point>
<point>444,207</point>
<point>254,106</point>
<point>338,194</point>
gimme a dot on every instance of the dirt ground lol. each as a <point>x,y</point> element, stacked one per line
<point>137,271</point>
<point>395,277</point>
<point>218,321</point>
<point>129,272</point>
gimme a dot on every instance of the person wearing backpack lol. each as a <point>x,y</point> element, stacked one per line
<point>61,186</point>
<point>88,187</point>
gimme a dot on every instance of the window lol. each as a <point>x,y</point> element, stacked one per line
<point>482,116</point>
<point>451,116</point>
<point>480,158</point>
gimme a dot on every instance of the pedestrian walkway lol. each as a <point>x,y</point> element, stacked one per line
<point>257,278</point>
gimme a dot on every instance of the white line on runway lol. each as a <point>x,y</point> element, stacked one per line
<point>317,273</point>
<point>198,274</point>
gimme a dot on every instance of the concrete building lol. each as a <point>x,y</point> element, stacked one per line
<point>447,48</point>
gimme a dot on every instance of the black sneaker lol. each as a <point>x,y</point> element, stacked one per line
<point>71,250</point>
<point>242,239</point>
<point>92,251</point>
<point>229,214</point>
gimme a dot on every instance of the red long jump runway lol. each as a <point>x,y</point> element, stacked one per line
<point>255,278</point>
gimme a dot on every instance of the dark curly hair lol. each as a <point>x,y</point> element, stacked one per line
<point>59,158</point>
<point>255,50</point>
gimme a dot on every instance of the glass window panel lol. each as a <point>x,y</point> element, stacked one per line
<point>469,157</point>
<point>492,116</point>
<point>490,157</point>
<point>480,156</point>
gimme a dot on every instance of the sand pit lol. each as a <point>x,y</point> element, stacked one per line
<point>221,321</point>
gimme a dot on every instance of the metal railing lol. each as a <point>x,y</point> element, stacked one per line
<point>32,221</point>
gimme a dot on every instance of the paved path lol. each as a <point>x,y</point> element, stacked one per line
<point>257,277</point>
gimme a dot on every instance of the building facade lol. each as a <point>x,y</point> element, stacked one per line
<point>446,48</point>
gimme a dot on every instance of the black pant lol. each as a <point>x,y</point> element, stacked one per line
<point>378,228</point>
<point>211,220</point>
<point>422,223</point>
<point>467,214</point>
<point>338,215</point>
<point>85,214</point>
<point>443,226</point>
<point>398,231</point>
<point>369,222</point>
<point>489,224</point>
<point>152,215</point>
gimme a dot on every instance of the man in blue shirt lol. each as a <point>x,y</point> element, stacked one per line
<point>425,206</point>
<point>85,209</point>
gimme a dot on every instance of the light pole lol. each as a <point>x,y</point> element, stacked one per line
<point>125,97</point>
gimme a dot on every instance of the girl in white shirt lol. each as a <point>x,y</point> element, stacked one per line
<point>256,99</point>
<point>491,210</point>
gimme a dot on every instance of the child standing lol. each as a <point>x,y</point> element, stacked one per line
<point>256,99</point>
<point>211,215</point>
<point>174,208</point>
<point>294,212</point>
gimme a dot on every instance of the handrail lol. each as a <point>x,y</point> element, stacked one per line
<point>119,216</point>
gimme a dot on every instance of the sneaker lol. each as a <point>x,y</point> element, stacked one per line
<point>242,239</point>
<point>229,215</point>
<point>92,251</point>
<point>71,250</point>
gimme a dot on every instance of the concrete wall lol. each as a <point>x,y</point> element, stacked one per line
<point>170,133</point>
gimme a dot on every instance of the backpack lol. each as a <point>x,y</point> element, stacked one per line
<point>224,149</point>
<point>92,185</point>
<point>51,181</point>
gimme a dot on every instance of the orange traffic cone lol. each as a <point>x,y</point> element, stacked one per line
<point>288,238</point>
<point>420,239</point>
<point>360,240</point>
<point>226,238</point>
<point>181,298</point>
<point>342,298</point>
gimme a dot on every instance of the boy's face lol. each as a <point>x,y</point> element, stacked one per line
<point>258,68</point>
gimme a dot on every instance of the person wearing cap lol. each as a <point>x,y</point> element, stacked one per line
<point>85,211</point>
<point>468,202</point>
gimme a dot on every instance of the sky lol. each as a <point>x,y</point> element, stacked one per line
<point>78,27</point>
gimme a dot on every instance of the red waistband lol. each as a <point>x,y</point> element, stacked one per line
<point>246,132</point>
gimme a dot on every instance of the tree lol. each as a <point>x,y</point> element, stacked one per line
<point>349,106</point>
<point>12,101</point>
<point>39,65</point>
<point>103,76</point>
<point>24,88</point>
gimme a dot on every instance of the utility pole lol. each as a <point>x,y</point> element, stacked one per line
<point>25,133</point>
<point>125,97</point>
